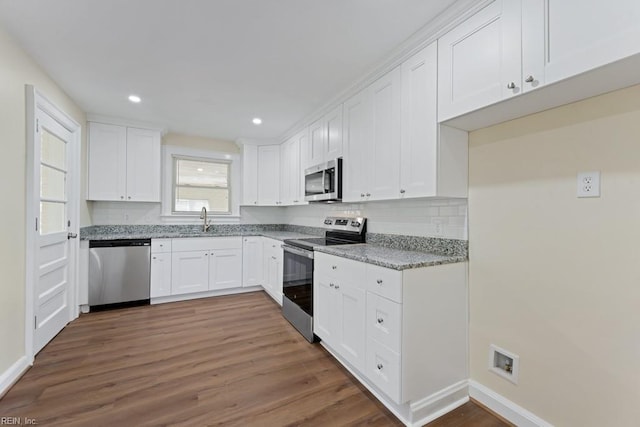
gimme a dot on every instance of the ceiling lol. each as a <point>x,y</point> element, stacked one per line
<point>207,67</point>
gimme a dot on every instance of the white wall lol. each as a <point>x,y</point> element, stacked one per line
<point>16,70</point>
<point>553,278</point>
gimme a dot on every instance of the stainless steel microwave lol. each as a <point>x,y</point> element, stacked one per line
<point>323,182</point>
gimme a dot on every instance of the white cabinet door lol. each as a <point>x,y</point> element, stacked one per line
<point>324,309</point>
<point>143,165</point>
<point>189,272</point>
<point>479,61</point>
<point>269,175</point>
<point>252,261</point>
<point>285,173</point>
<point>586,34</point>
<point>384,149</point>
<point>107,162</point>
<point>333,122</point>
<point>160,274</point>
<point>249,175</point>
<point>317,142</point>
<point>357,137</point>
<point>225,269</point>
<point>419,142</point>
<point>351,309</point>
<point>273,258</point>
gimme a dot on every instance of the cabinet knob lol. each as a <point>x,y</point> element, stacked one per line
<point>331,285</point>
<point>529,79</point>
<point>511,85</point>
<point>122,197</point>
<point>402,191</point>
<point>255,203</point>
<point>154,257</point>
<point>368,194</point>
<point>379,281</point>
<point>129,197</point>
<point>206,254</point>
<point>273,257</point>
<point>380,366</point>
<point>273,246</point>
<point>337,287</point>
<point>361,194</point>
<point>380,320</point>
<point>333,267</point>
<point>295,201</point>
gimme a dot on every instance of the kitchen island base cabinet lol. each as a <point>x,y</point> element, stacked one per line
<point>412,332</point>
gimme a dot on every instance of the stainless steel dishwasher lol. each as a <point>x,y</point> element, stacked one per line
<point>119,273</point>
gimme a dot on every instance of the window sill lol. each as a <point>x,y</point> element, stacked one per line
<point>195,219</point>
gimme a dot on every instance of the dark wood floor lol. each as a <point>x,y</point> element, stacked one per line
<point>220,361</point>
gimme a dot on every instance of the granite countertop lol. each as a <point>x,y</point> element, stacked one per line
<point>396,259</point>
<point>115,233</point>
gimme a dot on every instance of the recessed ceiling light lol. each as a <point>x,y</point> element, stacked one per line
<point>200,170</point>
<point>134,98</point>
<point>257,121</point>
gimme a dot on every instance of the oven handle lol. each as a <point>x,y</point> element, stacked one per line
<point>301,252</point>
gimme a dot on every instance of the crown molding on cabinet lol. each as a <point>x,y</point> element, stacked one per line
<point>257,141</point>
<point>430,32</point>
<point>109,120</point>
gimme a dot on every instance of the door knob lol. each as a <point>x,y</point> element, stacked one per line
<point>380,320</point>
<point>72,235</point>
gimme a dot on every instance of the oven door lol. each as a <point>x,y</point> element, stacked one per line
<point>297,277</point>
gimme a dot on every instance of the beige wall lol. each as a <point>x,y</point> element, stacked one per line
<point>200,143</point>
<point>16,70</point>
<point>553,278</point>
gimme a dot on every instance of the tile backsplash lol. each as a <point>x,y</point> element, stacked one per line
<point>446,218</point>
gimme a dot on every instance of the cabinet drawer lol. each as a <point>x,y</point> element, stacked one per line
<point>384,282</point>
<point>342,269</point>
<point>383,369</point>
<point>159,246</point>
<point>206,243</point>
<point>384,321</point>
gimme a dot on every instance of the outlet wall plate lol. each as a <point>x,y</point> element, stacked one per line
<point>588,184</point>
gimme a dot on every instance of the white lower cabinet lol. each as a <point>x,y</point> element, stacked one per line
<point>402,333</point>
<point>195,265</point>
<point>272,265</point>
<point>189,272</point>
<point>252,261</point>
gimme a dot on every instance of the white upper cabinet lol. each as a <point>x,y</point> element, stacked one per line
<point>582,35</point>
<point>480,61</point>
<point>384,149</point>
<point>325,139</point>
<point>249,174</point>
<point>261,175</point>
<point>269,175</point>
<point>357,131</point>
<point>124,163</point>
<point>433,158</point>
<point>290,173</point>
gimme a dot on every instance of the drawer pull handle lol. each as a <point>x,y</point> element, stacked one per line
<point>511,85</point>
<point>379,281</point>
<point>333,267</point>
<point>337,287</point>
<point>380,366</point>
<point>331,285</point>
<point>380,320</point>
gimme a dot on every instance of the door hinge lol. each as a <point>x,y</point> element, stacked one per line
<point>37,125</point>
<point>36,223</point>
<point>35,322</point>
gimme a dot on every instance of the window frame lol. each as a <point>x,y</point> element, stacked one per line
<point>174,183</point>
<point>168,180</point>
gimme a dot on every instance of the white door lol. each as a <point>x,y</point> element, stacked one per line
<point>384,148</point>
<point>225,269</point>
<point>480,59</point>
<point>143,165</point>
<point>419,146</point>
<point>334,133</point>
<point>269,175</point>
<point>352,323</point>
<point>252,261</point>
<point>357,131</point>
<point>189,272</point>
<point>107,162</point>
<point>54,275</point>
<point>317,142</point>
<point>160,275</point>
<point>324,316</point>
<point>250,175</point>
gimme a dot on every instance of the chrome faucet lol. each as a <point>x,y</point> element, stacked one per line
<point>205,224</point>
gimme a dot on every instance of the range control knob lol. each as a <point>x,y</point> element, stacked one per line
<point>355,224</point>
<point>328,222</point>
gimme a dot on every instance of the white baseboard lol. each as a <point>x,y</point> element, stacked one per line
<point>504,407</point>
<point>13,374</point>
<point>206,294</point>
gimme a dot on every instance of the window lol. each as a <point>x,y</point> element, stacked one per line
<point>199,183</point>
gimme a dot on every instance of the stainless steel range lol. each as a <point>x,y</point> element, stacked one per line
<point>297,277</point>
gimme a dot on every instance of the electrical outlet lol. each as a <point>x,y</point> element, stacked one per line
<point>589,184</point>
